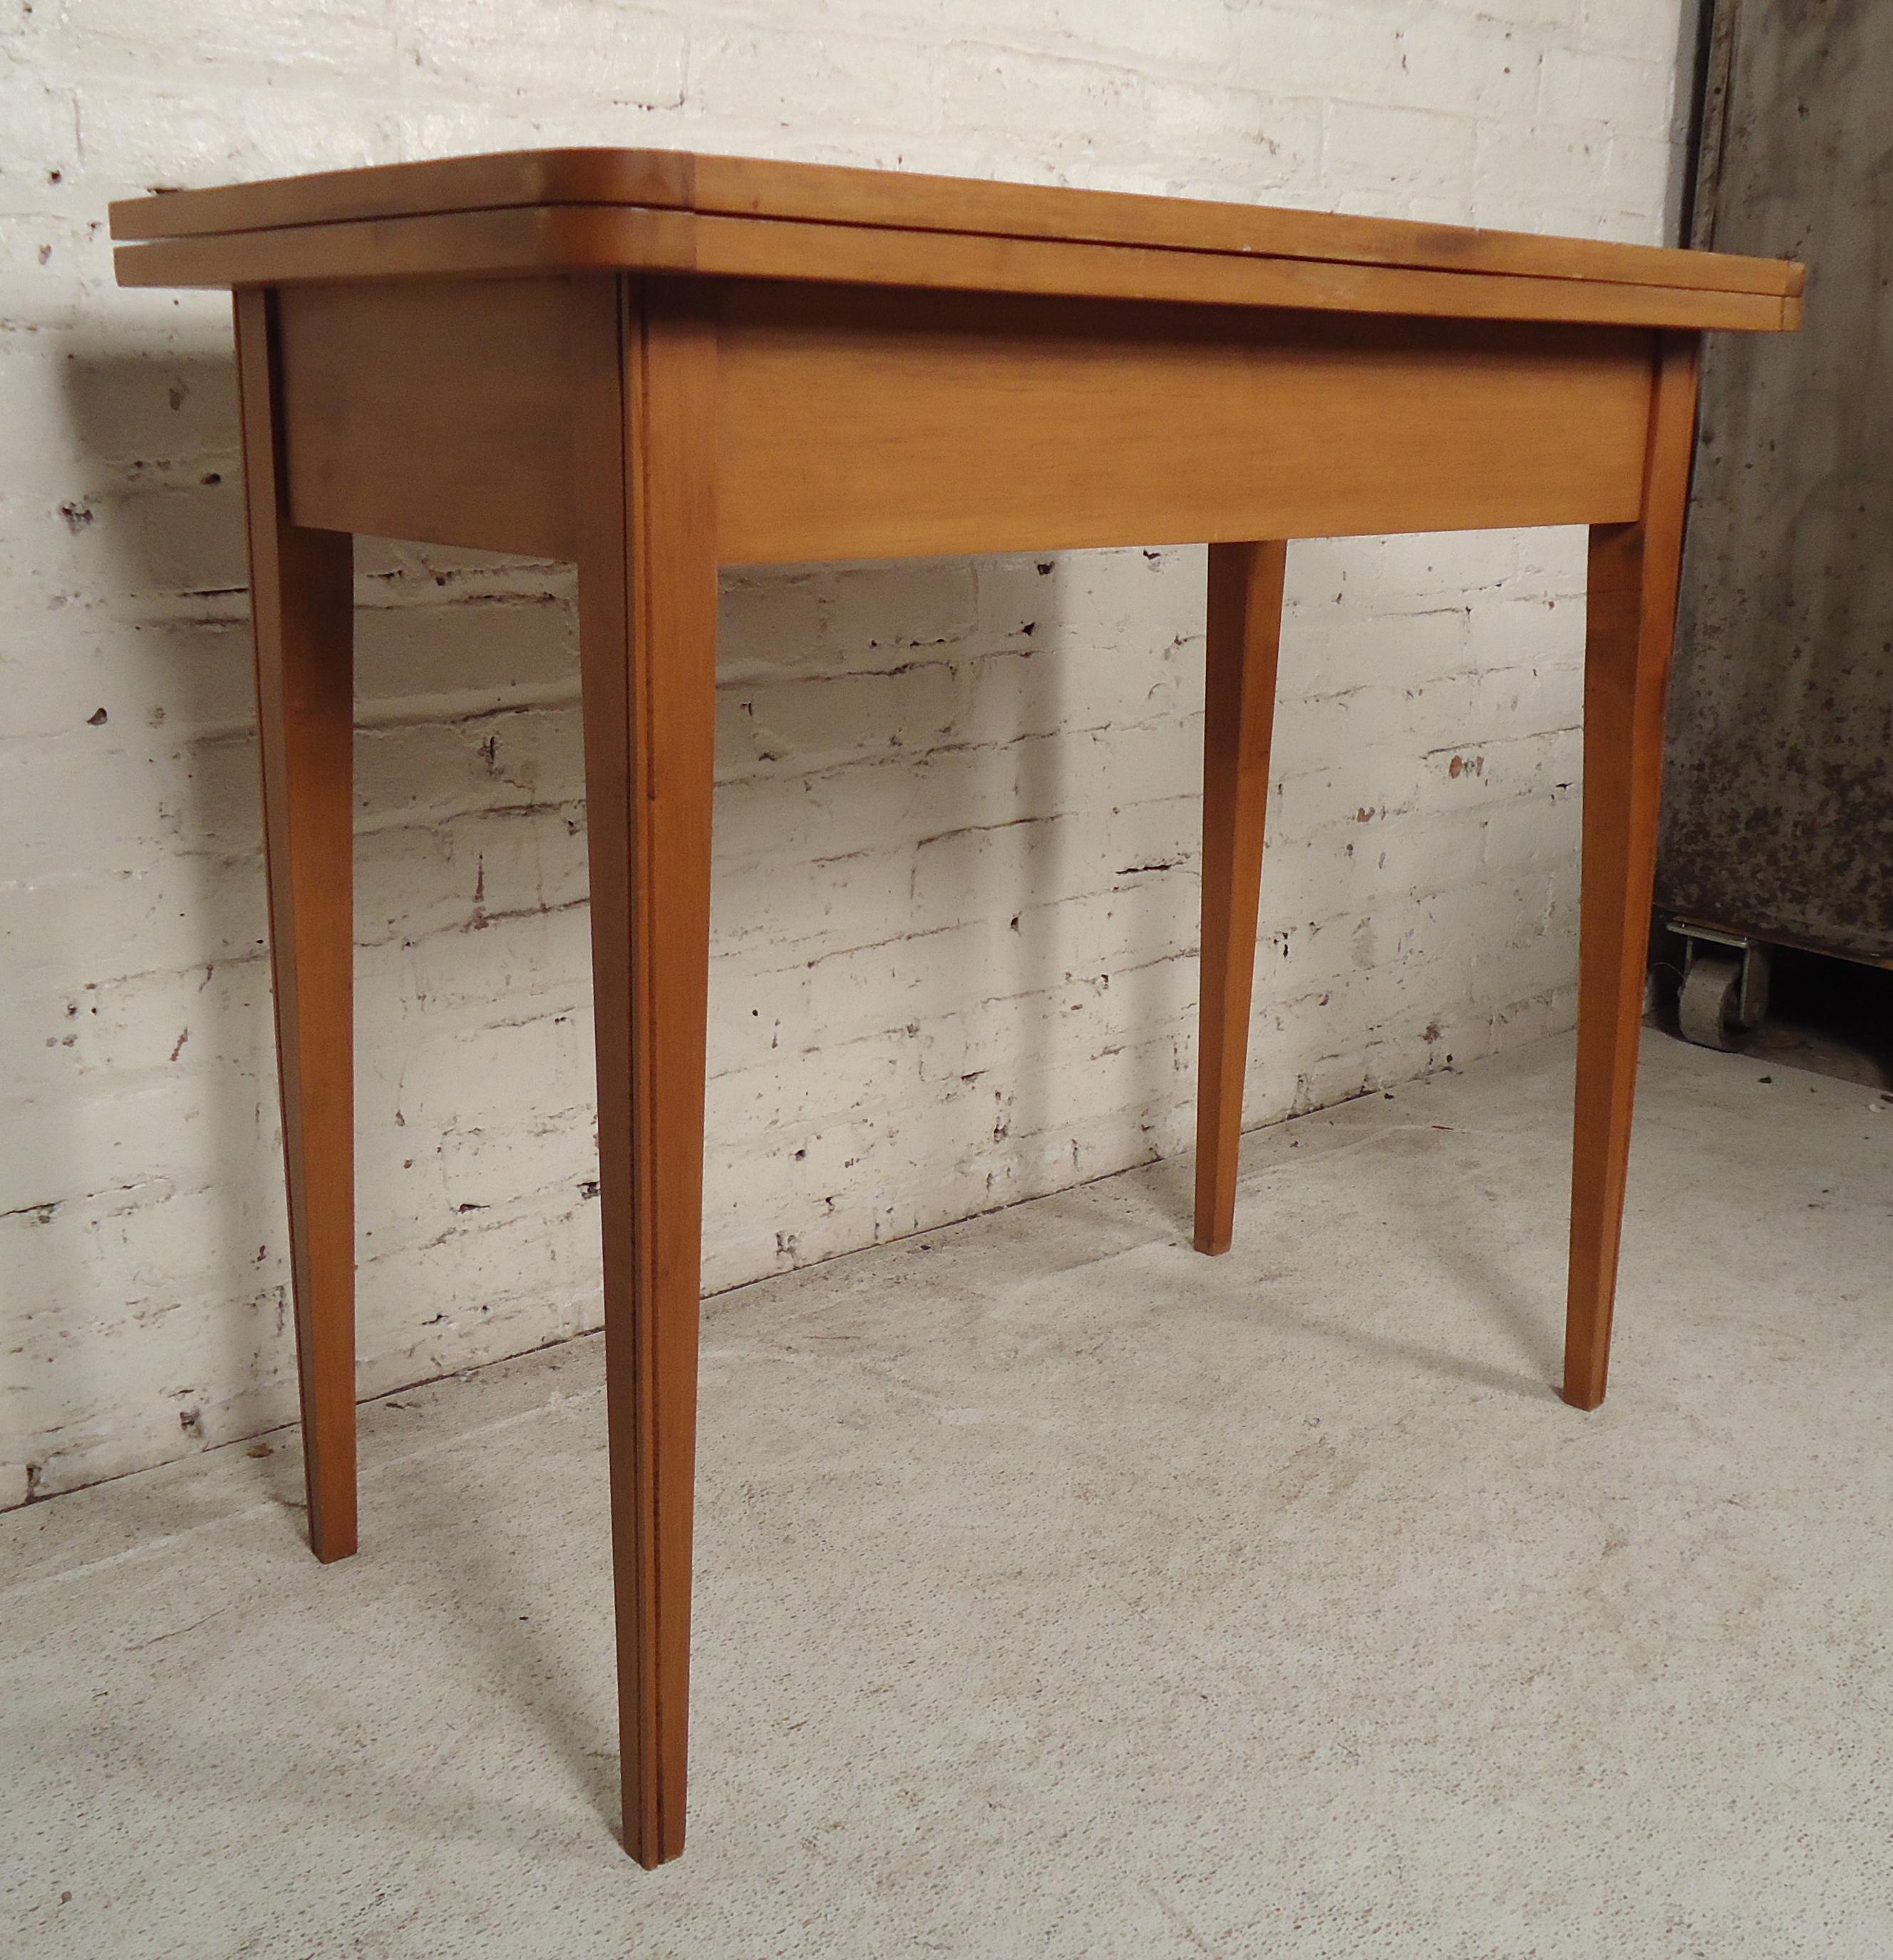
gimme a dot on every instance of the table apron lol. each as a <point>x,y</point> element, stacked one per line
<point>854,422</point>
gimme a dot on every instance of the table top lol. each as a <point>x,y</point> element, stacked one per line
<point>580,209</point>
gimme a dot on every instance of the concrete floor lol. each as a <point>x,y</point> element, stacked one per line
<point>1062,1593</point>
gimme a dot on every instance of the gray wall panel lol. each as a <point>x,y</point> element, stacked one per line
<point>1778,811</point>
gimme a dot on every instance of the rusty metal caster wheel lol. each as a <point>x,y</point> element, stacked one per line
<point>1710,1008</point>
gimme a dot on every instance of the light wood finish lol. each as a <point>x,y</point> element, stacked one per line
<point>859,254</point>
<point>835,195</point>
<point>440,411</point>
<point>653,363</point>
<point>862,424</point>
<point>1241,642</point>
<point>570,237</point>
<point>302,605</point>
<point>1634,573</point>
<point>855,424</point>
<point>647,642</point>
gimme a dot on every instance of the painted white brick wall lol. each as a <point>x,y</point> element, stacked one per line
<point>956,872</point>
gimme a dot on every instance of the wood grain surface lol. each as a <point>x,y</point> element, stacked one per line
<point>901,200</point>
<point>302,599</point>
<point>647,650</point>
<point>1635,570</point>
<point>1242,643</point>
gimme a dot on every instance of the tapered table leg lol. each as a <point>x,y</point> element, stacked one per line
<point>1634,573</point>
<point>648,626</point>
<point>302,600</point>
<point>1243,639</point>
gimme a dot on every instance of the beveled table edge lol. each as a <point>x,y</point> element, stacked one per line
<point>684,181</point>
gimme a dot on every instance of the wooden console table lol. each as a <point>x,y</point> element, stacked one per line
<point>655,363</point>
